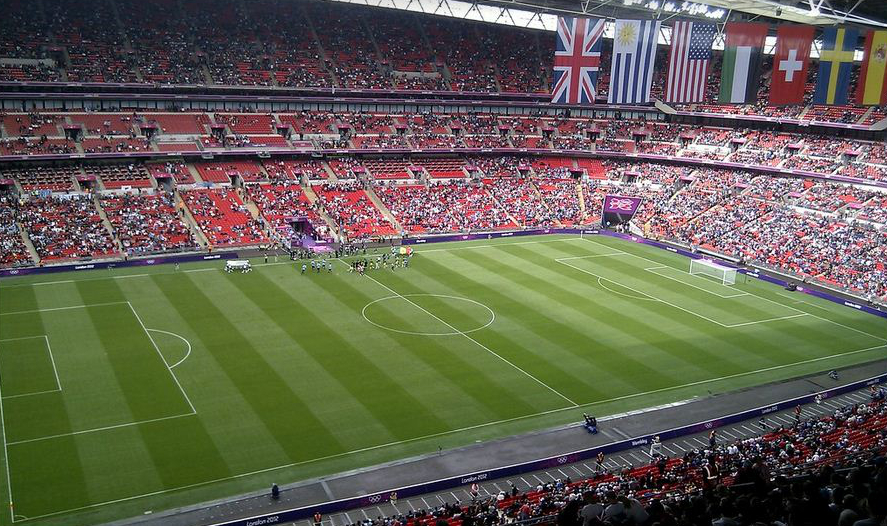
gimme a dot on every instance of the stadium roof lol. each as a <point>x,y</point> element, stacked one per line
<point>540,14</point>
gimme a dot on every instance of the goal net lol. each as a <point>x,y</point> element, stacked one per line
<point>705,267</point>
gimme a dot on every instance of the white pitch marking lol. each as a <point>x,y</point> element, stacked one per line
<point>63,308</point>
<point>768,320</point>
<point>187,354</point>
<point>6,460</point>
<point>97,429</point>
<point>652,297</point>
<point>725,296</point>
<point>52,359</point>
<point>880,338</point>
<point>601,283</point>
<point>497,245</point>
<point>454,329</point>
<point>591,256</point>
<point>425,437</point>
<point>55,370</point>
<point>156,348</point>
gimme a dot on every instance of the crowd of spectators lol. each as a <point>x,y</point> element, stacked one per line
<point>13,251</point>
<point>223,218</point>
<point>66,227</point>
<point>443,207</point>
<point>280,202</point>
<point>828,471</point>
<point>147,223</point>
<point>352,211</point>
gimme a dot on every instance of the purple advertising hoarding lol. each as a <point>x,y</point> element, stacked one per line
<point>621,204</point>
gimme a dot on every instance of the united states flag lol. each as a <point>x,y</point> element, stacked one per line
<point>577,60</point>
<point>688,64</point>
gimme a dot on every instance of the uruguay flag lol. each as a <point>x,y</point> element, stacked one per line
<point>835,63</point>
<point>634,52</point>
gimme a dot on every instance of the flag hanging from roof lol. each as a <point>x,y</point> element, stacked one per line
<point>789,80</point>
<point>577,60</point>
<point>743,56</point>
<point>688,61</point>
<point>872,86</point>
<point>835,63</point>
<point>634,53</point>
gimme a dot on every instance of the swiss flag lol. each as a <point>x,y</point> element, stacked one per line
<point>790,64</point>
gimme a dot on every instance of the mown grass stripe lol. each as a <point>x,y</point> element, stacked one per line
<point>503,400</point>
<point>386,400</point>
<point>630,369</point>
<point>301,434</point>
<point>555,332</point>
<point>647,328</point>
<point>181,450</point>
<point>35,467</point>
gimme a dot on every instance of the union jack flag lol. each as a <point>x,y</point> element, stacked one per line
<point>577,60</point>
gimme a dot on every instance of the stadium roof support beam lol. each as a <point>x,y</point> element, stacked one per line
<point>541,14</point>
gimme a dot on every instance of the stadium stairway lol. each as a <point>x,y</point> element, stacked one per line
<point>544,203</point>
<point>194,173</point>
<point>312,198</point>
<point>27,241</point>
<point>582,209</point>
<point>107,224</point>
<point>382,208</point>
<point>190,222</point>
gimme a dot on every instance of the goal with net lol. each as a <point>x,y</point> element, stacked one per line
<point>707,267</point>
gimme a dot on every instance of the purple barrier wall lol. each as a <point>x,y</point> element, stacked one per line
<point>536,465</point>
<point>85,265</point>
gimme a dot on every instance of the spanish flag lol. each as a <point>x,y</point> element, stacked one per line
<point>872,87</point>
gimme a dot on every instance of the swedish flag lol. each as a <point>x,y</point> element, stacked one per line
<point>835,63</point>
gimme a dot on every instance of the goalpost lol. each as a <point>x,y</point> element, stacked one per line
<point>706,267</point>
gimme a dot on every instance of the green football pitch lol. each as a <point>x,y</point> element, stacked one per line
<point>136,390</point>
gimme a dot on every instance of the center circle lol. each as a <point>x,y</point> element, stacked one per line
<point>474,309</point>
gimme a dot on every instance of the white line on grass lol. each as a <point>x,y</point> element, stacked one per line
<point>23,395</point>
<point>789,317</point>
<point>880,338</point>
<point>600,281</point>
<point>435,435</point>
<point>173,374</point>
<point>496,245</point>
<point>6,460</point>
<point>688,311</point>
<point>653,270</point>
<point>55,370</point>
<point>21,338</point>
<point>479,344</point>
<point>97,429</point>
<point>591,256</point>
<point>187,354</point>
<point>63,308</point>
<point>49,282</point>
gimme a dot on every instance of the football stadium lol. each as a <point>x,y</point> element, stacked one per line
<point>443,262</point>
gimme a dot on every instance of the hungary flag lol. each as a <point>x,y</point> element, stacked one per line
<point>741,70</point>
